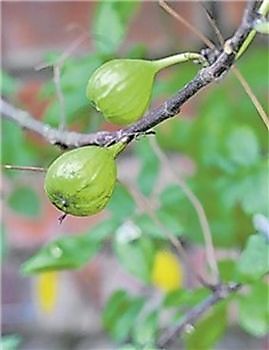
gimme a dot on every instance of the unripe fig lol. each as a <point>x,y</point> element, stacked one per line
<point>121,88</point>
<point>80,182</point>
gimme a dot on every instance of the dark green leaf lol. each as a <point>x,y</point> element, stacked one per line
<point>120,313</point>
<point>25,201</point>
<point>254,311</point>
<point>121,204</point>
<point>64,253</point>
<point>254,260</point>
<point>209,330</point>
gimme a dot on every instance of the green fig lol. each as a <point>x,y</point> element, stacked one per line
<point>80,182</point>
<point>121,88</point>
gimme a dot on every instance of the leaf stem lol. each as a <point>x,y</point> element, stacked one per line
<point>263,10</point>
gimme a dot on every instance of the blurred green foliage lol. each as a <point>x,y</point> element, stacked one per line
<point>228,144</point>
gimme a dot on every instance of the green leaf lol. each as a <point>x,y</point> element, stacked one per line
<point>25,201</point>
<point>185,297</point>
<point>177,213</point>
<point>148,227</point>
<point>15,149</point>
<point>209,330</point>
<point>145,330</point>
<point>120,313</point>
<point>254,310</point>
<point>64,253</point>
<point>242,146</point>
<point>149,169</point>
<point>121,204</point>
<point>171,221</point>
<point>136,256</point>
<point>227,270</point>
<point>110,33</point>
<point>103,230</point>
<point>10,342</point>
<point>8,85</point>
<point>248,188</point>
<point>254,260</point>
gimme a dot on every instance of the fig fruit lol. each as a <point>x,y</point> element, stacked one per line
<point>121,88</point>
<point>80,182</point>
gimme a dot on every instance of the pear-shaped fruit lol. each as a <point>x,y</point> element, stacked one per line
<point>80,182</point>
<point>121,88</point>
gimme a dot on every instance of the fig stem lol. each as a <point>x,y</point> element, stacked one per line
<point>179,58</point>
<point>117,148</point>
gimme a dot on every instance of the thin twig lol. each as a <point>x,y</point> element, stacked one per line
<point>223,291</point>
<point>206,41</point>
<point>252,96</point>
<point>186,23</point>
<point>60,96</point>
<point>198,207</point>
<point>24,168</point>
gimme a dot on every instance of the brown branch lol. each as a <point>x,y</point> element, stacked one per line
<point>221,292</point>
<point>166,110</point>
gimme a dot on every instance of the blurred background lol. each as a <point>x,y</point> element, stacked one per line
<point>65,309</point>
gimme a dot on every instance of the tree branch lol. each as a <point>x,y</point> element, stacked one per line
<point>171,107</point>
<point>221,292</point>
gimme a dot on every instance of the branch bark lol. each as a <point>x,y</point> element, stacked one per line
<point>170,108</point>
<point>221,292</point>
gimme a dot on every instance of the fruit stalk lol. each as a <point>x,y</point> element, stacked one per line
<point>178,58</point>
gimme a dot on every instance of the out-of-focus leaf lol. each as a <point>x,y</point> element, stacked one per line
<point>209,330</point>
<point>8,85</point>
<point>3,242</point>
<point>171,221</point>
<point>149,170</point>
<point>74,77</point>
<point>110,33</point>
<point>177,213</point>
<point>242,146</point>
<point>15,149</point>
<point>63,253</point>
<point>25,201</point>
<point>254,310</point>
<point>227,270</point>
<point>250,189</point>
<point>145,330</point>
<point>120,314</point>
<point>185,298</point>
<point>136,256</point>
<point>121,205</point>
<point>254,260</point>
<point>149,227</point>
<point>10,342</point>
